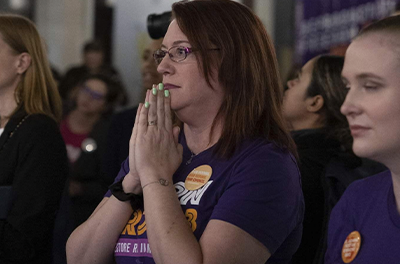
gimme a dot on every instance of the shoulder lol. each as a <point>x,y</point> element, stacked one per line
<point>40,127</point>
<point>40,122</point>
<point>263,166</point>
<point>266,155</point>
<point>368,188</point>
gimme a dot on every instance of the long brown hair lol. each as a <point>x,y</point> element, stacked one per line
<point>247,69</point>
<point>37,92</point>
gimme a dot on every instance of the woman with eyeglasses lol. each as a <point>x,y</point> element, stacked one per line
<point>33,159</point>
<point>223,185</point>
<point>365,224</point>
<point>84,131</point>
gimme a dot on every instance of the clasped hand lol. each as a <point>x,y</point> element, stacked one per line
<point>154,151</point>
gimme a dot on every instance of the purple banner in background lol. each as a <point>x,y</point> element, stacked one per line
<point>327,26</point>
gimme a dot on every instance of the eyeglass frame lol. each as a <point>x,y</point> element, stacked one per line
<point>93,94</point>
<point>187,50</point>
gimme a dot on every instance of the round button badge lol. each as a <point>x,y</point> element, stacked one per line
<point>198,177</point>
<point>351,246</point>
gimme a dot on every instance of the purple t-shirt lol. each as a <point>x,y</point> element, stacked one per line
<point>258,190</point>
<point>369,207</point>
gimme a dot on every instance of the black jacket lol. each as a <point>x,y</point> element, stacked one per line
<point>34,162</point>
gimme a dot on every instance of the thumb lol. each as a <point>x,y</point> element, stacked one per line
<point>175,131</point>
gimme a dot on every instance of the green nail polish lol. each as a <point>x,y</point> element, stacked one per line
<point>166,93</point>
<point>154,91</point>
<point>160,86</point>
<point>146,105</point>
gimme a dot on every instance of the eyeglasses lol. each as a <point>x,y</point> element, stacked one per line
<point>95,95</point>
<point>175,53</point>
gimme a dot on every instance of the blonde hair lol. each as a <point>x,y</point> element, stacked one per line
<point>37,92</point>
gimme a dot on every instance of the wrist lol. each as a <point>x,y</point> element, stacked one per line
<point>117,190</point>
<point>161,181</point>
<point>131,185</point>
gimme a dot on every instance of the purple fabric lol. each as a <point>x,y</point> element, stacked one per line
<point>368,206</point>
<point>258,190</point>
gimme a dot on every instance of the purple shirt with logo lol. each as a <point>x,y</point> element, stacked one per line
<point>258,190</point>
<point>369,207</point>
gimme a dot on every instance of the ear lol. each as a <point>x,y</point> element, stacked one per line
<point>24,61</point>
<point>314,104</point>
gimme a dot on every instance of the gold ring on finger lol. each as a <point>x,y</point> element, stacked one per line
<point>152,123</point>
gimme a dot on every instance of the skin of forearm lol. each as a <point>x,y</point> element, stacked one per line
<point>94,241</point>
<point>170,237</point>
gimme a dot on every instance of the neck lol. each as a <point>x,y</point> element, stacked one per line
<point>7,106</point>
<point>311,123</point>
<point>198,137</point>
<point>81,122</point>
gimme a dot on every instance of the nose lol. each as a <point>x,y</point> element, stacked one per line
<point>165,67</point>
<point>351,106</point>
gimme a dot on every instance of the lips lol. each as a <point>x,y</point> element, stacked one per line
<point>169,86</point>
<point>357,130</point>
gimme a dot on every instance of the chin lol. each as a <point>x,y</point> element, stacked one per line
<point>363,150</point>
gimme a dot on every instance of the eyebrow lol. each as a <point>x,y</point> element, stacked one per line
<point>175,43</point>
<point>363,76</point>
<point>369,75</point>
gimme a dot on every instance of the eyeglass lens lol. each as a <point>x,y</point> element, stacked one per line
<point>176,54</point>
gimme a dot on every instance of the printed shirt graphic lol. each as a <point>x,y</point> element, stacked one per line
<point>245,190</point>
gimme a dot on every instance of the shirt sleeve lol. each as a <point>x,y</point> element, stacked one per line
<point>264,197</point>
<point>121,174</point>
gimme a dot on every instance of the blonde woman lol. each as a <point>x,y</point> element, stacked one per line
<point>365,224</point>
<point>33,160</point>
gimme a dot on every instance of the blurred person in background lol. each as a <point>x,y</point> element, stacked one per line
<point>93,63</point>
<point>311,106</point>
<point>84,131</point>
<point>122,123</point>
<point>33,159</point>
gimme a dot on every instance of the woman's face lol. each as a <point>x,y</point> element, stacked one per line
<point>150,75</point>
<point>190,93</point>
<point>295,99</point>
<point>92,97</point>
<point>372,106</point>
<point>9,76</point>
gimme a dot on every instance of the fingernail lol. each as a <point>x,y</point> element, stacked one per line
<point>146,104</point>
<point>160,86</point>
<point>154,91</point>
<point>166,93</point>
